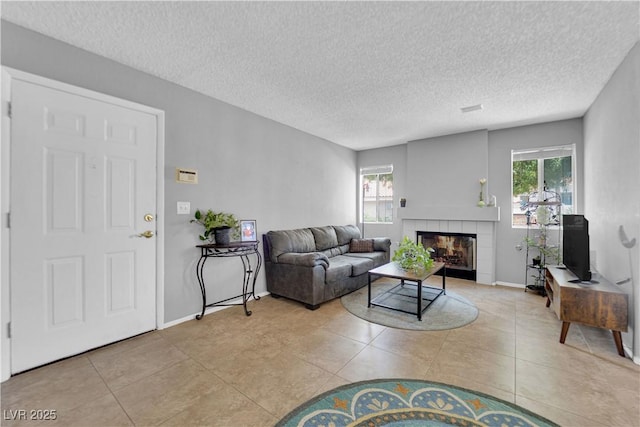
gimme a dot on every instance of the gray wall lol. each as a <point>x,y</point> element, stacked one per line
<point>444,162</point>
<point>248,165</point>
<point>511,265</point>
<point>446,170</point>
<point>397,156</point>
<point>612,183</point>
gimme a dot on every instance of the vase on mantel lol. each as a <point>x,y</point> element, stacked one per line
<point>481,203</point>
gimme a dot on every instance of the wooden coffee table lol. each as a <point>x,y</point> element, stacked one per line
<point>409,288</point>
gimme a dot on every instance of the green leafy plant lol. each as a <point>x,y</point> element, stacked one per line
<point>212,221</point>
<point>551,254</point>
<point>413,256</point>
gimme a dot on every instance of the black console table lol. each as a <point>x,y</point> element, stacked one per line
<point>235,249</point>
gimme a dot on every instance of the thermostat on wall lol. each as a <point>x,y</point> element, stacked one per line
<point>187,176</point>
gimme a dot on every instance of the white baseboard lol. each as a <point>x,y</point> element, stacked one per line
<point>206,312</point>
<point>511,285</point>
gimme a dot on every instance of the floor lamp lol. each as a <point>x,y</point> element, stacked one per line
<point>629,244</point>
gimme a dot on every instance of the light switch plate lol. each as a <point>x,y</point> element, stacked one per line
<point>184,208</point>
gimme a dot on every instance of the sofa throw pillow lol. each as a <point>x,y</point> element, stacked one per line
<point>361,245</point>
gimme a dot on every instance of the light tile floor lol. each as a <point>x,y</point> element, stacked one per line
<point>231,370</point>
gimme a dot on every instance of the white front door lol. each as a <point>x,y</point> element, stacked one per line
<point>83,188</point>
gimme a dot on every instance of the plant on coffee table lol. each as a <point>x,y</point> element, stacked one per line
<point>413,256</point>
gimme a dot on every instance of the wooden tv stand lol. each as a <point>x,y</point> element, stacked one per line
<point>600,304</point>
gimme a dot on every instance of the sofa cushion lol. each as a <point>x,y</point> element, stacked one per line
<point>325,237</point>
<point>377,257</point>
<point>346,232</point>
<point>283,241</point>
<point>339,269</point>
<point>361,245</point>
<point>361,265</point>
<point>331,252</point>
<point>343,266</point>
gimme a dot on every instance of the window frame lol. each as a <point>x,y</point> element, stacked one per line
<point>375,170</point>
<point>541,154</point>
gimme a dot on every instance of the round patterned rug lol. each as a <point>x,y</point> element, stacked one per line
<point>404,402</point>
<point>448,311</point>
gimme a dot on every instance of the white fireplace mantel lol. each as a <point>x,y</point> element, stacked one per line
<point>450,213</point>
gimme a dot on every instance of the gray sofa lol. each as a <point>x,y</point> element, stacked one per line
<point>317,264</point>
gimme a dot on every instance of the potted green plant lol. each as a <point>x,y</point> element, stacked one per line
<point>412,256</point>
<point>551,254</point>
<point>220,226</point>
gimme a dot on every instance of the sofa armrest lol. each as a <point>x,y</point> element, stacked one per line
<point>382,244</point>
<point>308,259</point>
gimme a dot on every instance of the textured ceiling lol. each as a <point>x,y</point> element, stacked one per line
<point>363,74</point>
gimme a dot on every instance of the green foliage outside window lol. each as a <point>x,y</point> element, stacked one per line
<point>525,177</point>
<point>557,173</point>
<point>539,178</point>
<point>378,197</point>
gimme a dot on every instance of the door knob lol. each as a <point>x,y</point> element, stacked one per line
<point>148,234</point>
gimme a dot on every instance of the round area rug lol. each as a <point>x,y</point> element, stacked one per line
<point>448,311</point>
<point>403,402</point>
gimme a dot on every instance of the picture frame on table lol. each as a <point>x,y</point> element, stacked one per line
<point>248,230</point>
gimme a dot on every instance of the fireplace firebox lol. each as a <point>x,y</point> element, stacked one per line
<point>457,250</point>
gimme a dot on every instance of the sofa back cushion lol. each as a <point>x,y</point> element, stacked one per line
<point>325,237</point>
<point>331,252</point>
<point>345,233</point>
<point>284,241</point>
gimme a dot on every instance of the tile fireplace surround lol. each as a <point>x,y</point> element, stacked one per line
<point>471,220</point>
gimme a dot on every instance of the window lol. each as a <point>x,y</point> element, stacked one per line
<point>540,175</point>
<point>377,194</point>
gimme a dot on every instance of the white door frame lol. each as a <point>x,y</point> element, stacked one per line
<point>8,75</point>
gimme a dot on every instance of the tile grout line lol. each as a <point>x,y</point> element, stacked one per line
<point>111,391</point>
<point>170,365</point>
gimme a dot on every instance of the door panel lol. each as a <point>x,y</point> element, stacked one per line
<point>64,290</point>
<point>63,175</point>
<point>83,175</point>
<point>120,195</point>
<point>120,282</point>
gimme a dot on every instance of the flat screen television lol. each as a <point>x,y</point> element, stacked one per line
<point>575,246</point>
